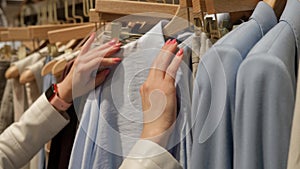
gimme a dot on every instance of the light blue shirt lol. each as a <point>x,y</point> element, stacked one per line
<point>214,91</point>
<point>265,96</point>
<point>112,120</point>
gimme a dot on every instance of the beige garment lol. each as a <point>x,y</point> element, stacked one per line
<point>20,141</point>
<point>294,151</point>
<point>200,45</point>
<point>33,91</point>
<point>196,52</point>
<point>19,95</point>
<point>6,109</point>
<point>148,155</point>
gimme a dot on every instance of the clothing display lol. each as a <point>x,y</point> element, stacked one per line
<point>233,103</point>
<point>106,109</point>
<point>214,91</point>
<point>266,87</point>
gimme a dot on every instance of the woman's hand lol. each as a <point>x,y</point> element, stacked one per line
<point>84,75</point>
<point>159,95</point>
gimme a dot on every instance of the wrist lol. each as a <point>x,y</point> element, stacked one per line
<point>53,97</point>
<point>158,136</point>
<point>64,93</point>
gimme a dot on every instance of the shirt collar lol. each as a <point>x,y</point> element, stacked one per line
<point>265,17</point>
<point>291,15</point>
<point>154,37</point>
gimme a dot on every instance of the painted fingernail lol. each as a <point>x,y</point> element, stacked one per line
<point>173,41</point>
<point>117,60</point>
<point>118,44</point>
<point>112,42</point>
<point>180,52</point>
<point>168,41</point>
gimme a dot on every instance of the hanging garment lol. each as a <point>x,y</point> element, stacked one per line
<point>200,45</point>
<point>7,108</point>
<point>294,150</point>
<point>48,80</point>
<point>214,91</point>
<point>19,95</point>
<point>33,91</point>
<point>34,88</point>
<point>265,96</point>
<point>4,65</point>
<point>62,143</point>
<point>112,118</point>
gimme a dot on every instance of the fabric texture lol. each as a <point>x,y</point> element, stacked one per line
<point>112,119</point>
<point>22,140</point>
<point>214,91</point>
<point>265,96</point>
<point>7,108</point>
<point>19,93</point>
<point>4,65</point>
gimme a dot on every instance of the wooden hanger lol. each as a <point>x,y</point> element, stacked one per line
<point>41,31</point>
<point>59,66</point>
<point>49,66</point>
<point>181,20</point>
<point>110,10</point>
<point>21,33</point>
<point>26,76</point>
<point>67,34</point>
<point>277,5</point>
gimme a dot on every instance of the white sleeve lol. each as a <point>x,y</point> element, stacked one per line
<point>148,155</point>
<point>23,139</point>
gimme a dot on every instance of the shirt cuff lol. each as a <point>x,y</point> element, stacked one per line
<point>148,154</point>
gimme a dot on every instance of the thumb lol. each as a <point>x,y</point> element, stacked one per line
<point>101,77</point>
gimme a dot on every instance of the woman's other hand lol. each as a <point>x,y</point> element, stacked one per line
<point>84,75</point>
<point>158,95</point>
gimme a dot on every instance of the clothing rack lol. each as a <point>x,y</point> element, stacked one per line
<point>77,32</point>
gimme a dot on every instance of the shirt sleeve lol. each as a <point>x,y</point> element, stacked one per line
<point>23,139</point>
<point>149,155</point>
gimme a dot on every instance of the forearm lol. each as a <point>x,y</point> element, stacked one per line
<point>23,139</point>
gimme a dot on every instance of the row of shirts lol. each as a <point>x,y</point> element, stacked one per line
<point>237,113</point>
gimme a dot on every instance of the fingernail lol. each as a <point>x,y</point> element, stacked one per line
<point>168,41</point>
<point>117,60</point>
<point>180,52</point>
<point>173,41</point>
<point>112,42</point>
<point>118,44</point>
<point>106,72</point>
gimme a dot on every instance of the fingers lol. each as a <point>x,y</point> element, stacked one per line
<point>98,52</point>
<point>101,77</point>
<point>173,67</point>
<point>92,68</point>
<point>113,42</point>
<point>163,59</point>
<point>88,43</point>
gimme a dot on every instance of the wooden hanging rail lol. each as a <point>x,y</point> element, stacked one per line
<point>221,6</point>
<point>132,7</point>
<point>4,36</point>
<point>41,31</point>
<point>63,35</point>
<point>19,33</point>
